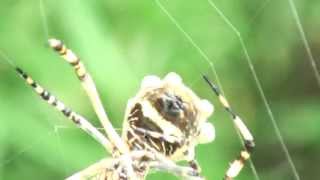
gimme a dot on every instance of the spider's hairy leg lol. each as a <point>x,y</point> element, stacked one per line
<point>90,89</point>
<point>249,144</point>
<point>77,119</point>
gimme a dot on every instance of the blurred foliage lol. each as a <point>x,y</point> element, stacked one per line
<point>122,41</point>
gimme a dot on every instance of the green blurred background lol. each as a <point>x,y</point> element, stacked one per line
<point>122,41</point>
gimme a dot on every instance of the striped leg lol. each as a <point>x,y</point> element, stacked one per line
<point>77,119</point>
<point>90,88</point>
<point>237,164</point>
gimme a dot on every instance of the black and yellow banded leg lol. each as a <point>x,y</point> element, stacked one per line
<point>90,89</point>
<point>69,56</point>
<point>77,119</point>
<point>249,144</point>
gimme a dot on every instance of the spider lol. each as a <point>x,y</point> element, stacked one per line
<point>163,124</point>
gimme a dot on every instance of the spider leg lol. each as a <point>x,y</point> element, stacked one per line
<point>249,144</point>
<point>164,164</point>
<point>90,88</point>
<point>195,165</point>
<point>111,168</point>
<point>158,161</point>
<point>107,168</point>
<point>182,171</point>
<point>77,119</point>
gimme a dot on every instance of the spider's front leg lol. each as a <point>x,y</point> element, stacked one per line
<point>237,165</point>
<point>162,163</point>
<point>123,167</point>
<point>76,118</point>
<point>90,89</point>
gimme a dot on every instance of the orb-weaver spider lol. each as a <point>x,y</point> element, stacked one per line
<point>163,124</point>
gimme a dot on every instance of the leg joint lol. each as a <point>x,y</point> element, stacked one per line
<point>250,145</point>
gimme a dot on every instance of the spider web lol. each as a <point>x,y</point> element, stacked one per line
<point>211,63</point>
<point>252,69</point>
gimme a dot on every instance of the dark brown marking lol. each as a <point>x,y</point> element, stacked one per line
<point>66,112</point>
<point>45,95</point>
<point>249,145</point>
<point>159,144</point>
<point>63,51</point>
<point>59,46</point>
<point>34,84</point>
<point>19,70</point>
<point>55,101</point>
<point>81,78</point>
<point>173,109</point>
<point>23,74</point>
<point>142,121</point>
<point>170,148</point>
<point>194,165</point>
<point>135,144</point>
<point>229,110</point>
<point>75,119</point>
<point>75,63</point>
<point>146,125</point>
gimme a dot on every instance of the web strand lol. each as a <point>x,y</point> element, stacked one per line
<point>206,58</point>
<point>259,11</point>
<point>10,62</point>
<point>62,155</point>
<point>6,58</point>
<point>45,27</point>
<point>258,84</point>
<point>312,60</point>
<point>192,42</point>
<point>26,149</point>
<point>44,21</point>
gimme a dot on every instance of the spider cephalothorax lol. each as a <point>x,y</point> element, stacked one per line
<point>166,116</point>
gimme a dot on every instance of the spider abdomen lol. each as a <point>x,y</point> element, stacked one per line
<point>165,116</point>
<point>146,134</point>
